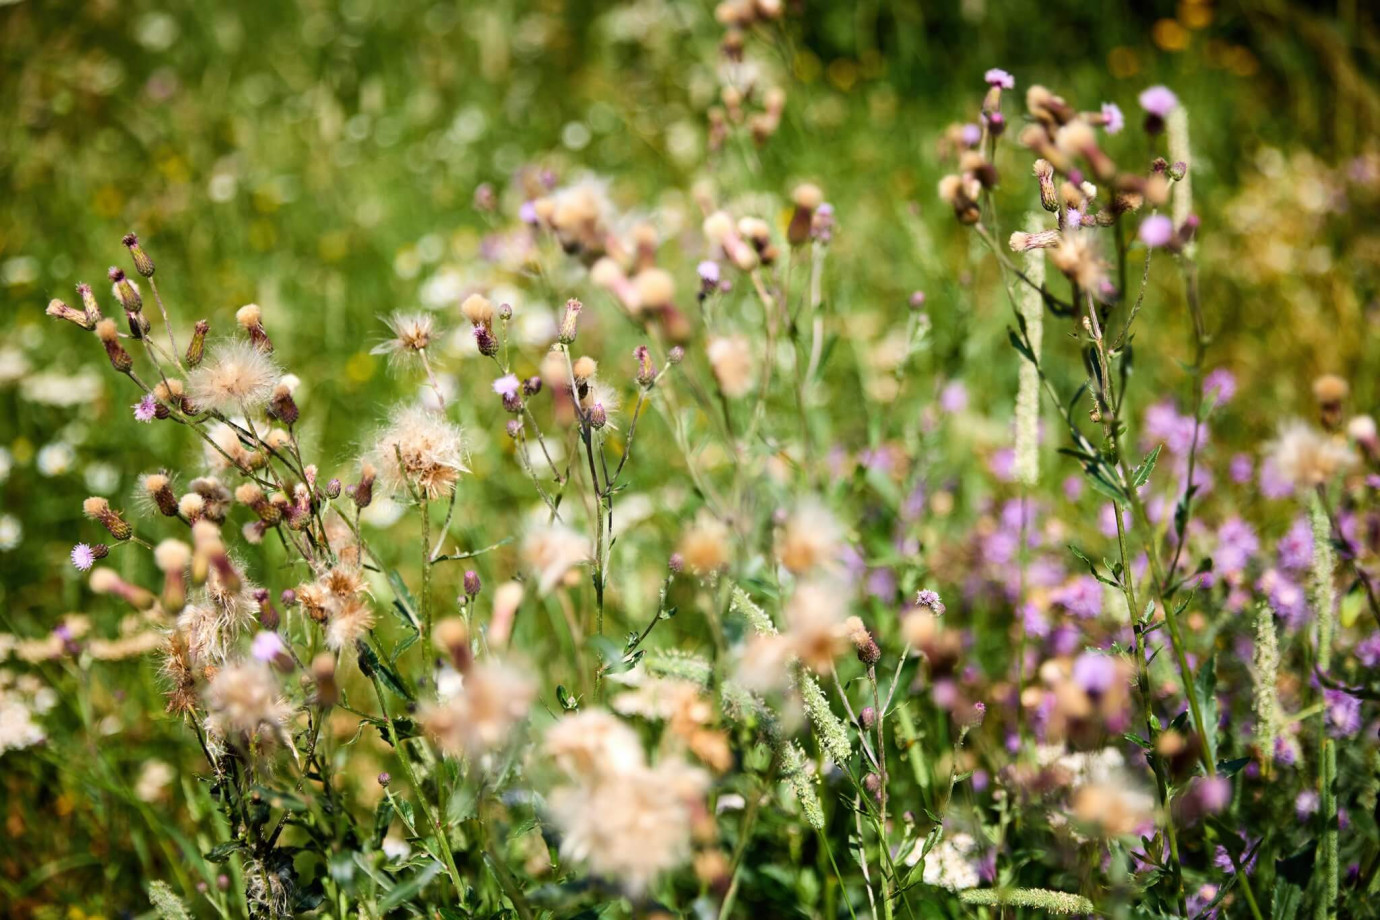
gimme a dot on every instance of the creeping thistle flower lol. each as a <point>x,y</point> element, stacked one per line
<point>251,320</point>
<point>85,555</point>
<point>551,551</point>
<point>1307,457</point>
<point>730,357</point>
<point>624,819</point>
<point>244,700</point>
<point>704,547</point>
<point>236,377</point>
<point>413,333</point>
<point>493,700</point>
<point>815,624</point>
<point>420,452</point>
<point>809,540</point>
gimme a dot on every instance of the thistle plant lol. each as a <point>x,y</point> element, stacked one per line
<point>685,580</point>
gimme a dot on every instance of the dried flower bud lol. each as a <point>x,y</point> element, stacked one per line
<point>867,719</point>
<point>478,310</point>
<point>98,509</point>
<point>873,784</point>
<point>598,416</point>
<point>570,322</point>
<point>282,406</point>
<point>88,301</point>
<point>514,428</point>
<point>363,492</point>
<point>646,370</point>
<point>333,488</point>
<point>1044,174</point>
<point>125,291</point>
<point>488,343</point>
<point>250,318</point>
<point>675,355</point>
<point>142,263</point>
<point>196,348</point>
<point>676,564</point>
<point>110,338</point>
<point>807,197</point>
<point>323,674</point>
<point>472,583</point>
<point>60,310</point>
<point>159,489</point>
<point>531,386</point>
<point>452,636</point>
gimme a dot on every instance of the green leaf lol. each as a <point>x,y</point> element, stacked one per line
<point>370,665</point>
<point>221,852</point>
<point>1106,487</point>
<point>1141,475</point>
<point>1021,347</point>
<point>1232,767</point>
<point>382,818</point>
<point>1206,685</point>
<point>409,888</point>
<point>405,604</point>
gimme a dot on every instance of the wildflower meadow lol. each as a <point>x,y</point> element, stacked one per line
<point>561,460</point>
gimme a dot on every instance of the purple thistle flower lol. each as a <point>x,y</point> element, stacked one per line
<point>1114,120</point>
<point>998,77</point>
<point>971,134</point>
<point>1306,804</point>
<point>1159,100</point>
<point>1273,484</point>
<point>1081,597</point>
<point>930,600</point>
<point>507,386</point>
<point>1156,231</point>
<point>1094,672</point>
<point>1242,468</point>
<point>528,213</point>
<point>1236,544</point>
<point>1343,713</point>
<point>954,397</point>
<point>1295,548</point>
<point>267,646</point>
<point>1223,383</point>
<point>83,557</point>
<point>709,272</point>
<point>1368,650</point>
<point>145,408</point>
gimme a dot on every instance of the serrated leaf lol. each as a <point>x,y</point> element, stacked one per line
<point>222,851</point>
<point>1141,474</point>
<point>382,818</point>
<point>406,890</point>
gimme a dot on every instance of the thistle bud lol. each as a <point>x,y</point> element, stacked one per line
<point>453,637</point>
<point>125,291</point>
<point>646,370</point>
<point>807,198</point>
<point>158,488</point>
<point>384,779</point>
<point>142,263</point>
<point>472,583</point>
<point>60,310</point>
<point>251,320</point>
<point>488,343</point>
<point>268,614</point>
<point>110,338</point>
<point>675,355</point>
<point>88,302</point>
<point>598,416</point>
<point>676,564</point>
<point>323,675</point>
<point>98,509</point>
<point>514,428</point>
<point>196,348</point>
<point>873,784</point>
<point>867,719</point>
<point>531,386</point>
<point>333,489</point>
<point>282,406</point>
<point>570,322</point>
<point>478,310</point>
<point>505,312</point>
<point>1330,390</point>
<point>363,492</point>
<point>1044,174</point>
